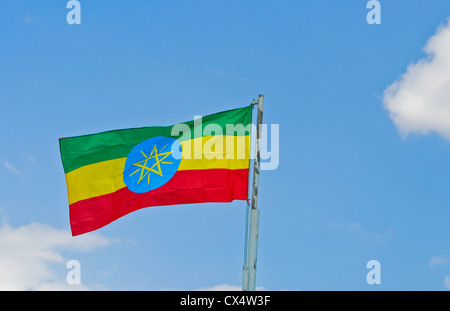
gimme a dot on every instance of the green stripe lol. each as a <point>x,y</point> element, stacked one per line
<point>88,149</point>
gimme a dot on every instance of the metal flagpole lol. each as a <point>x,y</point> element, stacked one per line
<point>250,268</point>
<point>245,268</point>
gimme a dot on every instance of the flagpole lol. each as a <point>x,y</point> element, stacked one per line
<point>254,212</point>
<point>245,268</point>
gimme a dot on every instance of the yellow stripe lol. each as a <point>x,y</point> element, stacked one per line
<point>230,152</point>
<point>106,177</point>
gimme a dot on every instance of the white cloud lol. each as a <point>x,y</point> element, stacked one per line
<point>29,18</point>
<point>10,167</point>
<point>28,254</point>
<point>353,227</point>
<point>30,158</point>
<point>27,163</point>
<point>419,102</point>
<point>356,229</point>
<point>447,282</point>
<point>438,261</point>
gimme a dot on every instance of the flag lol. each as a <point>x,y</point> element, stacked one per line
<point>113,173</point>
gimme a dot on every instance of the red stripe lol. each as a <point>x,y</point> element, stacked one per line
<point>190,186</point>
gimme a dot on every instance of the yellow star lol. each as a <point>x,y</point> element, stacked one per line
<point>145,170</point>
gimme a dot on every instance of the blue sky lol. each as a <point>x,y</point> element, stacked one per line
<point>363,171</point>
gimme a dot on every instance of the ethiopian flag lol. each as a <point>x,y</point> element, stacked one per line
<point>111,174</point>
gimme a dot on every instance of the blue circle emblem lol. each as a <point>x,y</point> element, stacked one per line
<point>151,164</point>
